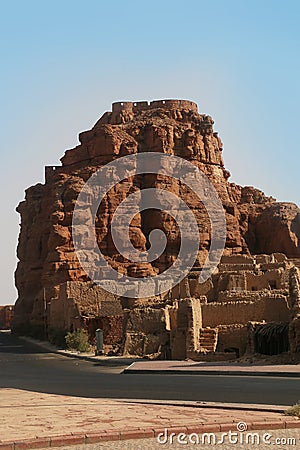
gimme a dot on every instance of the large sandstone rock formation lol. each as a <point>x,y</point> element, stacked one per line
<point>255,223</point>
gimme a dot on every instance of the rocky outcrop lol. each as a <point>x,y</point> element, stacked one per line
<point>255,223</point>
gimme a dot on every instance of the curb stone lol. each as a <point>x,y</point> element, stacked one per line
<point>202,404</point>
<point>245,373</point>
<point>93,438</point>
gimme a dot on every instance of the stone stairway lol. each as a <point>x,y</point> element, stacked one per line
<point>208,338</point>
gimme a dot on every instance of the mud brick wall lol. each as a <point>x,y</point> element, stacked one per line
<point>267,308</point>
<point>112,329</point>
<point>232,336</point>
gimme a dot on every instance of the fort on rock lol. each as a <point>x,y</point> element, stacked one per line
<point>251,303</point>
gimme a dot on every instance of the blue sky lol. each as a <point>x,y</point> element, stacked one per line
<point>64,62</point>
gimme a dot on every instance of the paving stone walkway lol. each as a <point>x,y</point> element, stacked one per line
<point>73,420</point>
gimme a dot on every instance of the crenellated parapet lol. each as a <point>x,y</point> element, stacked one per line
<point>144,105</point>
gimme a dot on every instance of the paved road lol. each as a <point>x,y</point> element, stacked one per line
<point>26,366</point>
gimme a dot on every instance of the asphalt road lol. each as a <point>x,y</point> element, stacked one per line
<point>26,366</point>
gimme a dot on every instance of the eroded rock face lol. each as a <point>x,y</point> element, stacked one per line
<point>255,223</point>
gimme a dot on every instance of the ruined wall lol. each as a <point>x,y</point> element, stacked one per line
<point>63,311</point>
<point>145,331</point>
<point>233,337</point>
<point>113,333</point>
<point>184,320</point>
<point>77,301</point>
<point>268,308</point>
<point>243,277</point>
<point>272,279</point>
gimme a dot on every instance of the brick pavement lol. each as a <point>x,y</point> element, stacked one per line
<point>40,418</point>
